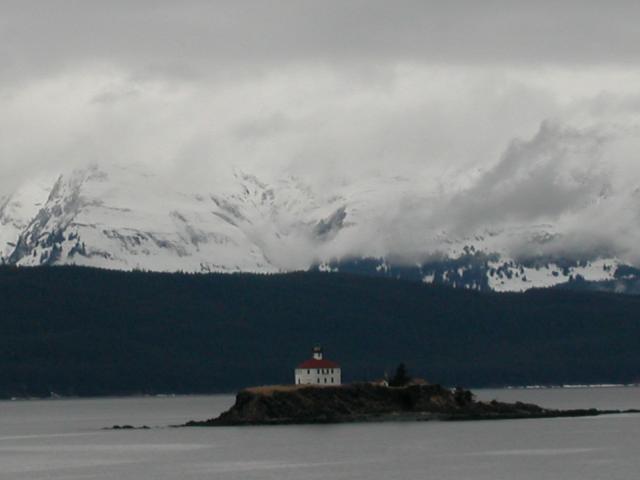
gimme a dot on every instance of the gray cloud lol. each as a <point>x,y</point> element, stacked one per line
<point>340,94</point>
<point>200,37</point>
<point>566,191</point>
<point>557,171</point>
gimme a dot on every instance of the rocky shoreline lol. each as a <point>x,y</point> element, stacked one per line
<point>365,402</point>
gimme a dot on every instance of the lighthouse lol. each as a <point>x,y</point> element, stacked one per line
<point>318,371</point>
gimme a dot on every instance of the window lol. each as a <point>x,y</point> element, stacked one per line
<point>318,379</point>
<point>318,370</point>
<point>308,372</point>
<point>332,380</point>
<point>325,379</point>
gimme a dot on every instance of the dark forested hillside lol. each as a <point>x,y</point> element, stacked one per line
<point>77,331</point>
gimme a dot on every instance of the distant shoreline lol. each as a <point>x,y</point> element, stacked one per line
<point>232,393</point>
<point>560,387</point>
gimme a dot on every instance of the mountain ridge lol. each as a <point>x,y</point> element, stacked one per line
<point>84,331</point>
<point>124,218</point>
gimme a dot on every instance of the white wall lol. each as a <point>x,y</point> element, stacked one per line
<point>313,376</point>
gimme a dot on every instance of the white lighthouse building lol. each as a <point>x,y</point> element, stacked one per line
<point>318,371</point>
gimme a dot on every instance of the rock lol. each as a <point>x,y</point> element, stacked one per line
<point>370,402</point>
<point>128,427</point>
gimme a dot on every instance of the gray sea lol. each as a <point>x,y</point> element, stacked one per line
<point>63,439</point>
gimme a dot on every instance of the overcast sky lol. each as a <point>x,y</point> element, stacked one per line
<point>487,98</point>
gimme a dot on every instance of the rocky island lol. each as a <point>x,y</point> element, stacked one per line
<point>364,402</point>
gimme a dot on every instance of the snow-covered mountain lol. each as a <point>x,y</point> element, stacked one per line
<point>125,218</point>
<point>16,211</point>
<point>479,271</point>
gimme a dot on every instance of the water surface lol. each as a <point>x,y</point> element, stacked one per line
<point>63,439</point>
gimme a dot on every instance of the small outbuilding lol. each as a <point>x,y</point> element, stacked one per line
<point>318,371</point>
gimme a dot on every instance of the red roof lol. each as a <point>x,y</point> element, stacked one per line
<point>313,363</point>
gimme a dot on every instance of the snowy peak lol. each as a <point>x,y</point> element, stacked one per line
<point>125,218</point>
<point>16,211</point>
<point>287,219</point>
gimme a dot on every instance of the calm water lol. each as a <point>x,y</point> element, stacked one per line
<point>62,439</point>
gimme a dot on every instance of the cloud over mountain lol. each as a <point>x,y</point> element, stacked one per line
<point>428,124</point>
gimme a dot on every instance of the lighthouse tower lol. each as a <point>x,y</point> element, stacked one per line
<point>318,371</point>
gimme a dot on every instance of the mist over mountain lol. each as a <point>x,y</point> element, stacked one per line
<point>540,216</point>
<point>489,147</point>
